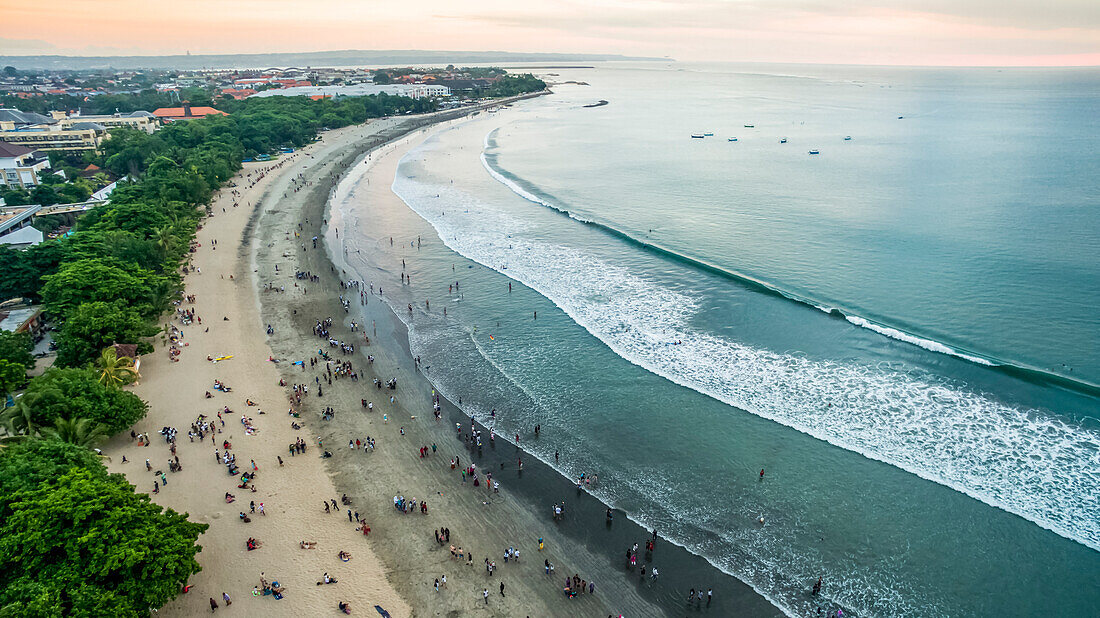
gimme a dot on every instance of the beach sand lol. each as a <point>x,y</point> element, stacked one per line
<point>291,494</point>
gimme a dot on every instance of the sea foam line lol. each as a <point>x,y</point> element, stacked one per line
<point>887,331</point>
<point>1022,461</point>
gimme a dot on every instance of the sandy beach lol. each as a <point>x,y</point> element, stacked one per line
<point>253,307</point>
<point>291,494</point>
<point>287,506</point>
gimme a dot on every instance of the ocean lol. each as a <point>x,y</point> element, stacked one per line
<point>900,331</point>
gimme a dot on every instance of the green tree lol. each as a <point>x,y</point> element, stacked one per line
<point>16,348</point>
<point>45,195</point>
<point>17,196</point>
<point>82,432</point>
<point>12,376</point>
<point>85,544</point>
<point>97,325</point>
<point>97,279</point>
<point>77,393</point>
<point>20,421</point>
<point>115,370</point>
<point>27,464</point>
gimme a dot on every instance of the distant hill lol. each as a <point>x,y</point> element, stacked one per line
<point>349,57</point>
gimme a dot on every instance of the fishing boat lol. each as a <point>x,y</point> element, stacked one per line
<point>697,136</point>
<point>750,126</point>
<point>708,134</point>
<point>782,140</point>
<point>733,139</point>
<point>815,151</point>
<point>847,138</point>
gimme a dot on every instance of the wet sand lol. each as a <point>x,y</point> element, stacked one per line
<point>480,520</point>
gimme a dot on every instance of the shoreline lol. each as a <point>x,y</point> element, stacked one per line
<point>396,565</point>
<point>288,493</point>
<point>578,535</point>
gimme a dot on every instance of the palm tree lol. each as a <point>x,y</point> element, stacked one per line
<point>19,421</point>
<point>165,239</point>
<point>79,431</point>
<point>114,370</point>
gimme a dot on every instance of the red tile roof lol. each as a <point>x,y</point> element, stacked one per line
<point>177,112</point>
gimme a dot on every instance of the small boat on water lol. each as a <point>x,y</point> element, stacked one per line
<point>782,140</point>
<point>733,139</point>
<point>697,136</point>
<point>708,134</point>
<point>750,126</point>
<point>847,138</point>
<point>815,151</point>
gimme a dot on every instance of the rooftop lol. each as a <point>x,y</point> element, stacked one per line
<point>13,150</point>
<point>178,112</point>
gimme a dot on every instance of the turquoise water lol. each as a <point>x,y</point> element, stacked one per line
<point>901,329</point>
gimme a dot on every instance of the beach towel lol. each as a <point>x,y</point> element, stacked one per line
<point>381,611</point>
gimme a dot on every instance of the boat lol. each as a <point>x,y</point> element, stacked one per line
<point>708,134</point>
<point>697,136</point>
<point>750,126</point>
<point>847,138</point>
<point>815,151</point>
<point>733,139</point>
<point>782,140</point>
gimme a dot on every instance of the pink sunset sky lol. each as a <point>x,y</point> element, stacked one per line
<point>920,32</point>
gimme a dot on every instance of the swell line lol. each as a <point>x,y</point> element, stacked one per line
<point>1017,369</point>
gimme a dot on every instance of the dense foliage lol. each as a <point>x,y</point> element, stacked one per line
<point>83,543</point>
<point>78,393</point>
<point>73,539</point>
<point>16,348</point>
<point>512,85</point>
<point>93,326</point>
<point>147,100</point>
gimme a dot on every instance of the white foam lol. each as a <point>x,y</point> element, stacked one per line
<point>1041,468</point>
<point>927,344</point>
<point>1038,467</point>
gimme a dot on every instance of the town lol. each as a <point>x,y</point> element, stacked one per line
<point>53,124</point>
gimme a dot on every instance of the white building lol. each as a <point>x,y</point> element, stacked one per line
<point>415,91</point>
<point>19,165</point>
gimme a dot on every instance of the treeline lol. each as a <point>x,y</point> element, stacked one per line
<point>147,100</point>
<point>75,540</point>
<point>512,85</point>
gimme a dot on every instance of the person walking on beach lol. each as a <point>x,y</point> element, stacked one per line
<point>213,605</point>
<point>502,589</point>
<point>484,595</point>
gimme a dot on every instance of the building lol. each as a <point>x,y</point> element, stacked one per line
<point>15,226</point>
<point>80,136</point>
<point>186,112</point>
<point>415,91</point>
<point>16,119</point>
<point>17,316</point>
<point>238,93</point>
<point>20,165</point>
<point>140,120</point>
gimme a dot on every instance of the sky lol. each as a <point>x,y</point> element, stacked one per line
<point>902,32</point>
